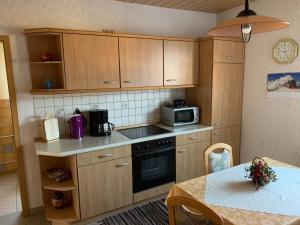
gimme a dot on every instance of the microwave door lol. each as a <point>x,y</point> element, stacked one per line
<point>184,116</point>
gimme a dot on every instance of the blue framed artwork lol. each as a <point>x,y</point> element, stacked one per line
<point>283,83</point>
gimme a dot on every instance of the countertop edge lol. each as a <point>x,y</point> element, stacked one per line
<point>122,143</point>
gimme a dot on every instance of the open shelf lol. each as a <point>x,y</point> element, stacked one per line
<point>66,214</point>
<point>43,71</point>
<point>49,184</point>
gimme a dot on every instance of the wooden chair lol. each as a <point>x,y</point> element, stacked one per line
<point>216,148</point>
<point>185,203</point>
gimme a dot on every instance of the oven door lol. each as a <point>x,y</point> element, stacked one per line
<point>184,116</point>
<point>152,169</point>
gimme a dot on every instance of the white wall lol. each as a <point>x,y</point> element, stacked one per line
<point>17,15</point>
<point>271,126</point>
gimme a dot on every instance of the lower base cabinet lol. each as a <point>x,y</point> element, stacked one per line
<point>189,160</point>
<point>105,186</point>
<point>229,135</point>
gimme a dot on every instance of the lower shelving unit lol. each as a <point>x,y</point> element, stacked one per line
<point>64,215</point>
<point>70,212</point>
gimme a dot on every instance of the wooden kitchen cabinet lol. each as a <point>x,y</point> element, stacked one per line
<point>229,135</point>
<point>105,186</point>
<point>220,94</point>
<point>91,62</point>
<point>226,51</point>
<point>141,62</point>
<point>189,160</point>
<point>181,63</point>
<point>227,94</point>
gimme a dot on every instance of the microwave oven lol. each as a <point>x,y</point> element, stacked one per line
<point>179,116</point>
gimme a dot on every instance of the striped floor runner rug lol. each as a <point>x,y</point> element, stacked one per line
<point>153,213</point>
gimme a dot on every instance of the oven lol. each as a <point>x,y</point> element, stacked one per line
<point>154,163</point>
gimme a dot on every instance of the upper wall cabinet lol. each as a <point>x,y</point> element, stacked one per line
<point>91,62</point>
<point>67,61</point>
<point>141,62</point>
<point>181,63</point>
<point>228,51</point>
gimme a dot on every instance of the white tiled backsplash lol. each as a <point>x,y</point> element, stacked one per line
<point>125,107</point>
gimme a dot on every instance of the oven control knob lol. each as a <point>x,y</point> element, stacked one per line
<point>163,142</point>
<point>138,147</point>
<point>147,146</point>
<point>159,143</point>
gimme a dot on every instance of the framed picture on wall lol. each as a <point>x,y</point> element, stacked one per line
<point>283,84</point>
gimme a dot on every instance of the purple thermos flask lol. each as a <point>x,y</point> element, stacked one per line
<point>76,126</point>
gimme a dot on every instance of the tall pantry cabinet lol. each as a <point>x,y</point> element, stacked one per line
<point>221,90</point>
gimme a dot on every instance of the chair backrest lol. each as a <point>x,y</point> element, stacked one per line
<point>182,201</point>
<point>213,148</point>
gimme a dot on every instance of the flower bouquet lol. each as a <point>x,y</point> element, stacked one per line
<point>260,173</point>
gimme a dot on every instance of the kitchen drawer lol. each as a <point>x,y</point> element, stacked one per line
<point>228,51</point>
<point>103,155</point>
<point>193,137</point>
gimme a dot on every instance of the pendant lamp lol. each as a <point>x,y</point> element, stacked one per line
<point>247,23</point>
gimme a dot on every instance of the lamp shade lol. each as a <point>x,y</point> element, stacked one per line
<point>259,24</point>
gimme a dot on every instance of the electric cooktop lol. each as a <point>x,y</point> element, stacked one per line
<point>144,131</point>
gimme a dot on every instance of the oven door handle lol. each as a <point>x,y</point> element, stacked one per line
<point>155,152</point>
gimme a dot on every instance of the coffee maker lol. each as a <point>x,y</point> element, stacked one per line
<point>99,125</point>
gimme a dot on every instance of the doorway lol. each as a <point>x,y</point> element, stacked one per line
<point>13,196</point>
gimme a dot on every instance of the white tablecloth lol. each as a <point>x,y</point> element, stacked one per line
<point>230,188</point>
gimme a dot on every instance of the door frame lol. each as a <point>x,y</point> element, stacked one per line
<point>13,104</point>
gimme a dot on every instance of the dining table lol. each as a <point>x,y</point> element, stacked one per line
<point>196,189</point>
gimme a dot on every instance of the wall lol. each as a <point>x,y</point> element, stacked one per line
<point>87,15</point>
<point>124,108</point>
<point>3,76</point>
<point>270,125</point>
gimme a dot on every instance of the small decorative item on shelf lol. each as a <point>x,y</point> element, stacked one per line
<point>58,174</point>
<point>48,84</point>
<point>58,200</point>
<point>260,173</point>
<point>47,56</point>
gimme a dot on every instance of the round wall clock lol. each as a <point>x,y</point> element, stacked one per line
<point>285,51</point>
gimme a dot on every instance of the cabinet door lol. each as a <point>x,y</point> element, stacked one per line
<point>141,62</point>
<point>105,186</point>
<point>227,94</point>
<point>189,160</point>
<point>229,51</point>
<point>181,63</point>
<point>231,136</point>
<point>91,62</point>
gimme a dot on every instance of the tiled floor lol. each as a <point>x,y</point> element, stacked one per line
<point>10,201</point>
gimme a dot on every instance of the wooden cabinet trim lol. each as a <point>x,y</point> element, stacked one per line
<point>38,31</point>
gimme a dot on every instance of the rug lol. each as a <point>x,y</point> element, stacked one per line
<point>153,213</point>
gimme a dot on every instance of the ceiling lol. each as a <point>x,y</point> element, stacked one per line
<point>213,6</point>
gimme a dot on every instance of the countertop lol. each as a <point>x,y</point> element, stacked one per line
<point>67,147</point>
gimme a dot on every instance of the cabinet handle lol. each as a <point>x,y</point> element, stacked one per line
<point>104,156</point>
<point>228,57</point>
<point>194,138</point>
<point>182,151</point>
<point>123,164</point>
<point>129,81</point>
<point>110,82</point>
<point>171,80</point>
